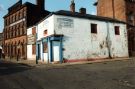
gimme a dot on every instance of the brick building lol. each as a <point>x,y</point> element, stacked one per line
<point>19,17</point>
<point>1,39</point>
<point>123,10</point>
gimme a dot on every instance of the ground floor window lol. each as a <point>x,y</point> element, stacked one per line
<point>33,49</point>
<point>45,47</point>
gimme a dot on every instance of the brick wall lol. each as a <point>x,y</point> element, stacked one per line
<point>112,8</point>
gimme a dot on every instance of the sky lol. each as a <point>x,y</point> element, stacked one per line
<point>51,5</point>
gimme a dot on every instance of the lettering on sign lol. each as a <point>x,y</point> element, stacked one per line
<point>65,22</point>
<point>31,39</point>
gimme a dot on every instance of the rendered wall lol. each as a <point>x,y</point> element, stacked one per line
<point>80,43</point>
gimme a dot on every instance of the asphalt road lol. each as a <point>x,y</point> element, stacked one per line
<point>106,75</point>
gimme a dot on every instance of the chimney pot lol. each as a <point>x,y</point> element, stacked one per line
<point>82,11</point>
<point>40,4</point>
<point>72,6</point>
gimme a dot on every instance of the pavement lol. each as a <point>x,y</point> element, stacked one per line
<point>40,63</point>
<point>119,74</point>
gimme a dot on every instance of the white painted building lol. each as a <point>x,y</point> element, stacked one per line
<point>31,43</point>
<point>66,37</point>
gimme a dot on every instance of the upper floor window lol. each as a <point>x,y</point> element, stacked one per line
<point>24,12</point>
<point>93,28</point>
<point>21,14</point>
<point>45,32</point>
<point>13,18</point>
<point>117,30</point>
<point>34,30</point>
<point>5,22</point>
<point>17,16</point>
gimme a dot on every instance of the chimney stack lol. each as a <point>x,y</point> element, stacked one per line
<point>72,6</point>
<point>41,4</point>
<point>82,11</point>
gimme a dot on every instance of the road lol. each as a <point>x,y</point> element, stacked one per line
<point>105,75</point>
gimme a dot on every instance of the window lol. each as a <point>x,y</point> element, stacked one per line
<point>17,16</point>
<point>33,49</point>
<point>45,32</point>
<point>34,30</point>
<point>45,48</point>
<point>5,22</point>
<point>117,31</point>
<point>24,12</point>
<point>21,14</point>
<point>94,28</point>
<point>13,18</point>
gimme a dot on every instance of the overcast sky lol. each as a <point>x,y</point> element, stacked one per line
<point>51,5</point>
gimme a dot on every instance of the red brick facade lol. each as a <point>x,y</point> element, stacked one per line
<point>123,10</point>
<point>19,18</point>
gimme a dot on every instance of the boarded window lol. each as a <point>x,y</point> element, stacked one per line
<point>45,48</point>
<point>117,30</point>
<point>33,49</point>
<point>93,28</point>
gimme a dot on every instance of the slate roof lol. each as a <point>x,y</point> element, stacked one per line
<point>86,16</point>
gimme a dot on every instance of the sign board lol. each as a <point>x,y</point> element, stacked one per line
<point>31,39</point>
<point>65,22</point>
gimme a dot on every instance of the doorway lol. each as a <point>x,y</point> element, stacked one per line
<point>56,51</point>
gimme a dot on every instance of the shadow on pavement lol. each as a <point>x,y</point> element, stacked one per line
<point>7,68</point>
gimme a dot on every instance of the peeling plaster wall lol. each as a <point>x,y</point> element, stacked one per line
<point>79,43</point>
<point>119,43</point>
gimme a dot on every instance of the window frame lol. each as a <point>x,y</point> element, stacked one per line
<point>117,30</point>
<point>93,28</point>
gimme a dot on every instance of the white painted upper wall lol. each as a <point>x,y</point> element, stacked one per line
<point>30,56</point>
<point>47,24</point>
<point>80,43</point>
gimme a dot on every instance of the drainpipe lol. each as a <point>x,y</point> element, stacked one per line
<point>42,59</point>
<point>113,8</point>
<point>36,46</point>
<point>48,45</point>
<point>61,50</point>
<point>108,41</point>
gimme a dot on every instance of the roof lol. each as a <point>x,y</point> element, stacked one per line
<point>86,16</point>
<point>79,15</point>
<point>17,6</point>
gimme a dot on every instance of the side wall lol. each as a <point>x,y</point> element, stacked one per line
<point>80,43</point>
<point>30,56</point>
